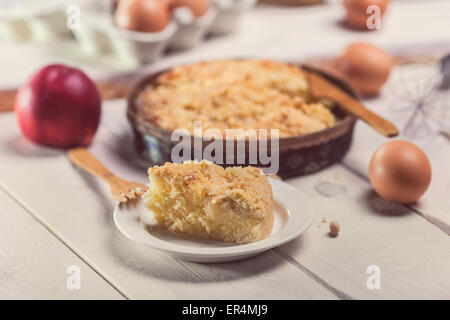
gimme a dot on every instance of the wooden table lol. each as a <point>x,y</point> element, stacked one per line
<point>55,216</point>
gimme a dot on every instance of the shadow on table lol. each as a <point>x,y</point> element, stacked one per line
<point>342,24</point>
<point>120,156</point>
<point>151,263</point>
<point>20,146</point>
<point>380,206</point>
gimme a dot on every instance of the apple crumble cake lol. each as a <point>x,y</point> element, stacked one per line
<point>235,94</point>
<point>205,200</point>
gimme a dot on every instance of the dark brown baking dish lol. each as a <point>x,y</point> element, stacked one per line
<point>298,155</point>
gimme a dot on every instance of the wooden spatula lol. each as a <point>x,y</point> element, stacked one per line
<point>322,88</point>
<point>121,190</point>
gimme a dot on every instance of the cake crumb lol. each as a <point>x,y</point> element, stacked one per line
<point>334,228</point>
<point>323,220</point>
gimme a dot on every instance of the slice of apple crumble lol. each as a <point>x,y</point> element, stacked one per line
<point>205,200</point>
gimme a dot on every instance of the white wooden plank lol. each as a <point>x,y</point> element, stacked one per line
<point>345,271</point>
<point>33,263</point>
<point>350,283</point>
<point>412,254</point>
<point>77,207</point>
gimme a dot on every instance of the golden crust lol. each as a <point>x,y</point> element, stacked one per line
<point>208,201</point>
<point>235,94</point>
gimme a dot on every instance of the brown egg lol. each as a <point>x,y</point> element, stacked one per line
<point>142,15</point>
<point>198,7</point>
<point>400,171</point>
<point>366,66</point>
<point>356,11</point>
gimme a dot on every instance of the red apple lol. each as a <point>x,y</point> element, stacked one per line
<point>58,106</point>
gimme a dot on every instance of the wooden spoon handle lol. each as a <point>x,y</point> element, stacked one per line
<point>7,98</point>
<point>321,87</point>
<point>87,161</point>
<point>352,106</point>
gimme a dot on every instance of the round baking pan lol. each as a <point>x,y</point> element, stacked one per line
<point>298,155</point>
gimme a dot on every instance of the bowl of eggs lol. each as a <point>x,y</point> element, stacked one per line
<point>136,31</point>
<point>139,31</point>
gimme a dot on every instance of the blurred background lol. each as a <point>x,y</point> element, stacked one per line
<point>86,33</point>
<point>117,41</point>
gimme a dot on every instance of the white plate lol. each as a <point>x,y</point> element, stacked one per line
<point>292,210</point>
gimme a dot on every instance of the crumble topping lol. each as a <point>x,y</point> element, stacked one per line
<point>235,94</point>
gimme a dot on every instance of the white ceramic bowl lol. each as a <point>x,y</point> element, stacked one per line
<point>229,13</point>
<point>191,32</point>
<point>99,35</point>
